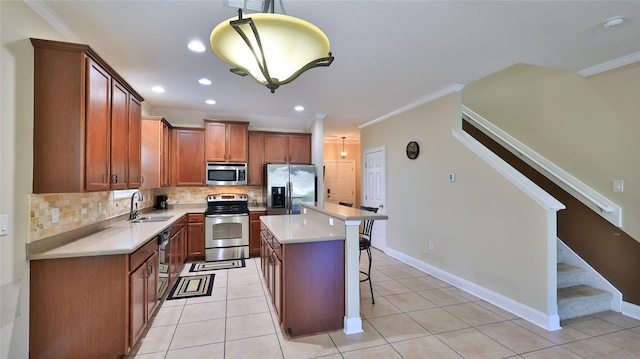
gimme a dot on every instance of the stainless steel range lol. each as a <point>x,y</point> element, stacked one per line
<point>226,227</point>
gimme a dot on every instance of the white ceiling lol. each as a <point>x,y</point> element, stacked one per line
<point>388,54</point>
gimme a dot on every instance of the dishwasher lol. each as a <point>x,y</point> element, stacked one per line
<point>163,262</point>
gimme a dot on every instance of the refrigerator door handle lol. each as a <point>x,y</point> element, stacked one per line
<point>289,197</point>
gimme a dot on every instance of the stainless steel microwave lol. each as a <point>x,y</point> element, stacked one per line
<point>226,174</point>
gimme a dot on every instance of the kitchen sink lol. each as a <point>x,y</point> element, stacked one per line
<point>151,219</point>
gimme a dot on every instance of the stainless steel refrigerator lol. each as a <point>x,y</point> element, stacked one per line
<point>286,186</point>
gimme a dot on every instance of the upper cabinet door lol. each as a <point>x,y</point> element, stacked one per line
<point>119,139</point>
<point>299,149</point>
<point>237,137</point>
<point>275,148</point>
<point>189,157</point>
<point>98,130</point>
<point>215,150</point>
<point>134,175</point>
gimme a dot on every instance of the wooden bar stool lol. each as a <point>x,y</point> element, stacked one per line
<point>365,245</point>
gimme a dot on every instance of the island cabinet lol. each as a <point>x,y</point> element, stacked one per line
<point>91,307</point>
<point>85,122</point>
<point>155,152</point>
<point>254,232</point>
<point>306,283</point>
<point>189,156</point>
<point>287,148</point>
<point>226,141</point>
<point>195,236</point>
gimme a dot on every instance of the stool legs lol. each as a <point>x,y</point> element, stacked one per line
<point>368,274</point>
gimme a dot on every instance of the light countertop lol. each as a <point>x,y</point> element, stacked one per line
<point>298,229</point>
<point>343,212</point>
<point>122,237</point>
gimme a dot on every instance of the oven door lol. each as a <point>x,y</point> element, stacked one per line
<point>226,237</point>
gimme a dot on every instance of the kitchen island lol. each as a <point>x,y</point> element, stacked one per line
<point>338,228</point>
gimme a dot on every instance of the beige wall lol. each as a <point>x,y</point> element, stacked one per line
<point>332,153</point>
<point>18,24</point>
<point>590,127</point>
<point>483,228</point>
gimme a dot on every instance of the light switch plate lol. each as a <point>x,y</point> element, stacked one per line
<point>618,185</point>
<point>4,224</point>
<point>452,177</point>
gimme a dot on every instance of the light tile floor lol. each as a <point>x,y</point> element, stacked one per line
<point>415,316</point>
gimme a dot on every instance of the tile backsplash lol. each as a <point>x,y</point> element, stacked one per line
<point>77,210</point>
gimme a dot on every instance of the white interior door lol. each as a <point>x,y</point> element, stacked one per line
<point>340,181</point>
<point>374,192</point>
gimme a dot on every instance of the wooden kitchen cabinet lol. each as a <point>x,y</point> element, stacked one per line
<point>91,307</point>
<point>226,141</point>
<point>155,152</point>
<point>82,116</point>
<point>255,166</point>
<point>143,288</point>
<point>176,249</point>
<point>306,283</point>
<point>134,132</point>
<point>189,156</point>
<point>254,233</point>
<point>195,236</point>
<point>287,148</point>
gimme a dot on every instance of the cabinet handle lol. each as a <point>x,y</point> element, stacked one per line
<point>141,179</point>
<point>116,175</point>
<point>149,269</point>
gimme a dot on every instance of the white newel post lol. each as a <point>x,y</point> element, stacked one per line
<point>352,320</point>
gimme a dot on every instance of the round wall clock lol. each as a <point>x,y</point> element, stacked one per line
<point>413,150</point>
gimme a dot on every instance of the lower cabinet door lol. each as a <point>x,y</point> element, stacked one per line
<point>277,285</point>
<point>152,285</point>
<point>137,298</point>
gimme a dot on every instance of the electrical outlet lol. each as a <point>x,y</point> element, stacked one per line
<point>55,215</point>
<point>99,206</point>
<point>430,245</point>
<point>188,195</point>
<point>304,211</point>
<point>331,222</point>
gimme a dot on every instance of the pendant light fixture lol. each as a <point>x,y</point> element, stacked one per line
<point>273,49</point>
<point>343,153</point>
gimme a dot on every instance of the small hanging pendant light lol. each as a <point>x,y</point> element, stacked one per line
<point>343,153</point>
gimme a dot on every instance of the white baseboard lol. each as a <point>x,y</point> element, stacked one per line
<point>548,322</point>
<point>630,310</point>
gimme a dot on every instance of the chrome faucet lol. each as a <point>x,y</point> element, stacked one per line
<point>134,211</point>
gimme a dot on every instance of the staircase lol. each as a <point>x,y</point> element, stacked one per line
<point>576,299</point>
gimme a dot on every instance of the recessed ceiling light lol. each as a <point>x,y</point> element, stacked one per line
<point>210,102</point>
<point>204,81</point>
<point>614,21</point>
<point>158,89</point>
<point>196,46</point>
<point>299,108</point>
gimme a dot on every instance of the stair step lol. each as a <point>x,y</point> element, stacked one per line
<point>569,276</point>
<point>582,300</point>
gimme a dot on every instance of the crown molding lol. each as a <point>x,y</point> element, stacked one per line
<point>53,19</point>
<point>610,65</point>
<point>434,96</point>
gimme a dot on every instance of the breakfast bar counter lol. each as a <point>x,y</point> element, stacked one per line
<point>325,240</point>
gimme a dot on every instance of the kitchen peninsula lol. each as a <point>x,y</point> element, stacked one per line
<point>318,254</point>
